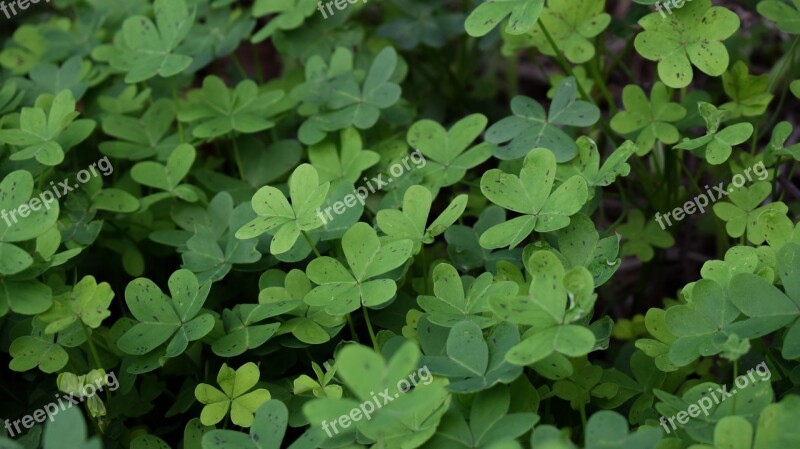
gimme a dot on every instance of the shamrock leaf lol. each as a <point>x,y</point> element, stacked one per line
<point>523,16</point>
<point>545,309</point>
<point>407,417</point>
<point>342,291</point>
<point>531,194</point>
<point>587,164</point>
<point>267,432</point>
<point>144,50</point>
<point>48,130</point>
<point>410,223</point>
<point>749,93</point>
<point>242,331</point>
<point>165,327</point>
<point>749,403</point>
<point>446,151</point>
<point>213,250</point>
<point>465,250</point>
<point>348,163</point>
<point>288,15</point>
<point>233,397</point>
<point>786,17</point>
<point>88,303</point>
<point>640,238</point>
<point>646,377</point>
<point>167,177</point>
<point>216,37</point>
<point>490,424</point>
<point>609,430</point>
<point>690,35</point>
<point>698,324</point>
<point>144,137</point>
<point>309,324</point>
<point>423,21</point>
<point>773,309</point>
<point>472,363</point>
<point>22,219</point>
<point>584,383</point>
<point>777,144</point>
<point>52,79</point>
<point>451,306</point>
<point>658,347</point>
<point>716,145</point>
<point>531,127</point>
<point>651,118</point>
<point>350,104</point>
<point>581,246</point>
<point>68,429</point>
<point>742,212</point>
<point>290,220</point>
<point>37,349</point>
<point>319,387</point>
<point>10,97</point>
<point>571,25</point>
<point>126,101</point>
<point>218,111</point>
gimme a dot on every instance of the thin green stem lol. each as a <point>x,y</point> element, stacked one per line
<point>512,73</point>
<point>562,61</point>
<point>352,328</point>
<point>92,348</point>
<point>311,244</point>
<point>758,133</point>
<point>238,158</point>
<point>601,83</point>
<point>370,330</point>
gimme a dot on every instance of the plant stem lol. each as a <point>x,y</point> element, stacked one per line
<point>93,350</point>
<point>562,61</point>
<point>238,159</point>
<point>311,244</point>
<point>369,329</point>
<point>601,83</point>
<point>352,328</point>
<point>512,73</point>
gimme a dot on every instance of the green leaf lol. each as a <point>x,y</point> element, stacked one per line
<point>446,151</point>
<point>341,290</point>
<point>691,35</point>
<point>530,127</point>
<point>531,194</point>
<point>288,221</point>
<point>217,111</point>
<point>651,118</point>
<point>522,14</point>
<point>571,25</point>
<point>165,327</point>
<point>749,93</point>
<point>235,396</point>
<point>48,130</point>
<point>144,49</point>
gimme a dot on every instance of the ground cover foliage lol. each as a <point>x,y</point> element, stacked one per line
<point>304,209</point>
